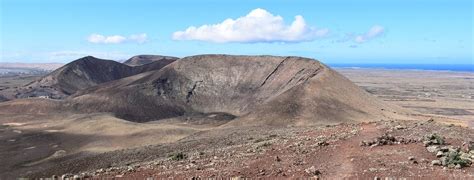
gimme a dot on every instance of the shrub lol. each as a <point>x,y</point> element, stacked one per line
<point>435,139</point>
<point>178,156</point>
<point>438,138</point>
<point>454,158</point>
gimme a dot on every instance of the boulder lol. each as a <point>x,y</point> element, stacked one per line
<point>433,148</point>
<point>436,163</point>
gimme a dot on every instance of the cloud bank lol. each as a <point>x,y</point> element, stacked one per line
<point>374,32</point>
<point>257,26</point>
<point>117,39</point>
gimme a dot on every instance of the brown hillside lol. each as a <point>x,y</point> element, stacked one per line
<point>255,89</point>
<point>81,74</point>
<point>146,59</point>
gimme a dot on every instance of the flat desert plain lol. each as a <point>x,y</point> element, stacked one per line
<point>435,93</point>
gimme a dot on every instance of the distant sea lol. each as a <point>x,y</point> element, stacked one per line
<point>432,67</point>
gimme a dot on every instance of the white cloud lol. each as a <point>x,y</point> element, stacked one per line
<point>374,32</point>
<point>140,38</point>
<point>257,26</point>
<point>116,39</point>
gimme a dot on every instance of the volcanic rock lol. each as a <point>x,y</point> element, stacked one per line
<point>147,59</point>
<point>84,73</point>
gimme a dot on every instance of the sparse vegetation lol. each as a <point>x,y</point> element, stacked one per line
<point>449,156</point>
<point>454,158</point>
<point>433,139</point>
<point>177,156</point>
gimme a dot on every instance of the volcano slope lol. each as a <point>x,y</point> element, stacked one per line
<point>264,90</point>
<point>87,72</point>
<point>147,59</point>
<point>214,107</point>
<point>82,73</point>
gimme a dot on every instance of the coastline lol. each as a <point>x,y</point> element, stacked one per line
<point>463,68</point>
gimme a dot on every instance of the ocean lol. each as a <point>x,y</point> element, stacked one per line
<point>433,67</point>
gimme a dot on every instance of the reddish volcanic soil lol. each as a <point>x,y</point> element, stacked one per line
<point>303,152</point>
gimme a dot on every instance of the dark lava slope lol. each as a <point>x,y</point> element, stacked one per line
<point>256,89</point>
<point>81,74</point>
<point>147,59</point>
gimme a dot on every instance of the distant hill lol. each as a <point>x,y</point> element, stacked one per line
<point>15,69</point>
<point>146,59</point>
<point>36,66</point>
<point>81,74</point>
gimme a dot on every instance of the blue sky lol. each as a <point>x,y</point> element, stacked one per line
<point>333,31</point>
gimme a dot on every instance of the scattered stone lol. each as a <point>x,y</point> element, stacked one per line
<point>65,176</point>
<point>411,158</point>
<point>236,178</point>
<point>465,156</point>
<point>423,160</point>
<point>322,143</point>
<point>278,159</point>
<point>372,169</point>
<point>436,163</point>
<point>440,154</point>
<point>433,148</point>
<point>364,143</point>
<point>399,127</point>
<point>444,161</point>
<point>387,139</point>
<point>467,146</point>
<point>444,149</point>
<point>76,177</point>
<point>312,171</point>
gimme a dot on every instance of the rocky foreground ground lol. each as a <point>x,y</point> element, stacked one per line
<point>376,150</point>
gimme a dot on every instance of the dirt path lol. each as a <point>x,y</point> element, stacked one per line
<point>350,150</point>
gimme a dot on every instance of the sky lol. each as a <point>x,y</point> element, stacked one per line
<point>333,31</point>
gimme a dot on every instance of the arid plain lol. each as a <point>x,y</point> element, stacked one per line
<point>437,93</point>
